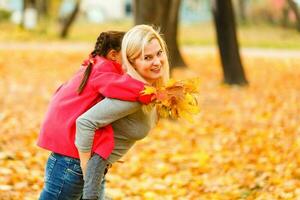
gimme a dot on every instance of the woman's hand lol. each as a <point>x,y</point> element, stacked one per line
<point>84,158</point>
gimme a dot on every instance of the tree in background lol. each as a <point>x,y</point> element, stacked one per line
<point>292,4</point>
<point>285,13</point>
<point>227,41</point>
<point>43,8</point>
<point>27,4</point>
<point>164,14</point>
<point>33,12</point>
<point>242,5</point>
<point>68,21</point>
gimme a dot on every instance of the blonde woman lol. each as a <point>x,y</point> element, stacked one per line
<point>144,58</point>
<point>101,75</point>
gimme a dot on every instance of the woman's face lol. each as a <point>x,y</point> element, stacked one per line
<point>150,65</point>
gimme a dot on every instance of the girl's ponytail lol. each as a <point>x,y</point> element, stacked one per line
<point>105,42</point>
<point>85,78</point>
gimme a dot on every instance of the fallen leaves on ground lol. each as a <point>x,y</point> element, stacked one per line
<point>244,144</point>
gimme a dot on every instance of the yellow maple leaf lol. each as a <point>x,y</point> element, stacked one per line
<point>170,83</point>
<point>185,115</point>
<point>163,111</point>
<point>191,85</point>
<point>149,90</point>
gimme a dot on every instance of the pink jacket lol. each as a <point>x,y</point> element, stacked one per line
<point>106,80</point>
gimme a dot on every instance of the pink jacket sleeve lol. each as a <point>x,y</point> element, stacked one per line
<point>114,85</point>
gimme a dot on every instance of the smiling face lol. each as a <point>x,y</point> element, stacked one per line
<point>150,65</point>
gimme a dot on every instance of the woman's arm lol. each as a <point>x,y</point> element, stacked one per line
<point>103,113</point>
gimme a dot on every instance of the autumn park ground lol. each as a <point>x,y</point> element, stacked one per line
<point>243,145</point>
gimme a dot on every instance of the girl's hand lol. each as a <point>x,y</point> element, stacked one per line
<point>84,158</point>
<point>83,168</point>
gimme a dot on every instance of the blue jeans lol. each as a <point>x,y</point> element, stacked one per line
<point>64,179</point>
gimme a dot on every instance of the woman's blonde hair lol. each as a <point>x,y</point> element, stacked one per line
<point>133,45</point>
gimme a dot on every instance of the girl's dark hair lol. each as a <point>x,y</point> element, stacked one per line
<point>106,41</point>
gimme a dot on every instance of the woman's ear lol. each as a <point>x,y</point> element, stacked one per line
<point>112,55</point>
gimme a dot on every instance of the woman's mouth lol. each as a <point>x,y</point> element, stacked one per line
<point>156,70</point>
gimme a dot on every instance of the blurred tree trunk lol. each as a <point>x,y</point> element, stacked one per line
<point>164,14</point>
<point>43,8</point>
<point>66,24</point>
<point>227,41</point>
<point>27,4</point>
<point>295,10</point>
<point>242,10</point>
<point>285,13</point>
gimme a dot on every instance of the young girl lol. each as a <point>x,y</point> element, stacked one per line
<point>144,56</point>
<point>100,76</point>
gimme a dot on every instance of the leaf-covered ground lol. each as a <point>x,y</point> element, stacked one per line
<point>244,144</point>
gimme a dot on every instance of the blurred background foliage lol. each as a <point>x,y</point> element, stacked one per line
<point>261,23</point>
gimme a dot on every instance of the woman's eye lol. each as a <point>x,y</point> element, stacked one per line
<point>159,53</point>
<point>147,58</point>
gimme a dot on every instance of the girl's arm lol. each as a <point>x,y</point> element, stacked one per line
<point>117,86</point>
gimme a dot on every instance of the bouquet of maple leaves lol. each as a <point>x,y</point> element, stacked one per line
<point>177,99</point>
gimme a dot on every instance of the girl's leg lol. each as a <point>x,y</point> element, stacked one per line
<point>63,179</point>
<point>101,194</point>
<point>94,175</point>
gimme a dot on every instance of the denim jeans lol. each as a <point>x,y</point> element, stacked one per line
<point>64,179</point>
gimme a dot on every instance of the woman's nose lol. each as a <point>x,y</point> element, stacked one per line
<point>156,61</point>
